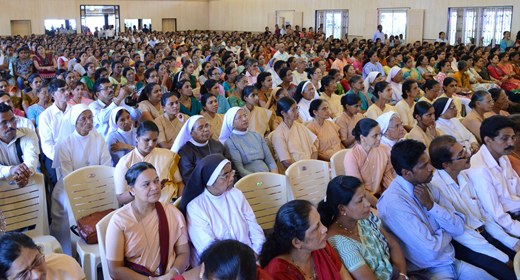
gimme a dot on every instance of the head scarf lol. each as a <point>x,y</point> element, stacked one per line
<point>397,88</point>
<point>112,124</point>
<point>441,105</point>
<point>68,126</point>
<point>205,174</point>
<point>185,133</point>
<point>385,119</point>
<point>370,79</point>
<point>227,125</point>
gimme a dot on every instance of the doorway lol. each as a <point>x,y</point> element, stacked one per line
<point>20,27</point>
<point>333,22</point>
<point>169,25</point>
<point>99,16</point>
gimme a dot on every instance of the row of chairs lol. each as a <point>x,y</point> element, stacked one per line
<point>91,189</point>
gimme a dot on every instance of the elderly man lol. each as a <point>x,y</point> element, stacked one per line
<point>19,149</point>
<point>281,54</point>
<point>496,183</point>
<point>484,243</point>
<point>412,210</point>
<point>300,75</point>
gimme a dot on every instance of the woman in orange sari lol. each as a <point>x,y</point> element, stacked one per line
<point>498,69</point>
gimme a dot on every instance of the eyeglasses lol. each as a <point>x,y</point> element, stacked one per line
<point>294,110</point>
<point>84,119</point>
<point>465,153</point>
<point>228,175</point>
<point>35,265</point>
<point>203,127</point>
<point>12,122</point>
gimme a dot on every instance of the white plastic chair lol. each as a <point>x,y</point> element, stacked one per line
<point>89,189</point>
<point>101,229</point>
<point>308,179</point>
<point>266,192</point>
<point>336,163</point>
<point>25,207</point>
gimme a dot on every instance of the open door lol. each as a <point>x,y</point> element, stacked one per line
<point>370,23</point>
<point>169,25</point>
<point>415,29</point>
<point>20,27</point>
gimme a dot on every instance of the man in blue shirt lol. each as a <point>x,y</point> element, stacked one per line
<point>410,210</point>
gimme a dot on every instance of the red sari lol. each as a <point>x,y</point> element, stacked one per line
<point>512,85</point>
<point>45,62</point>
<point>326,261</point>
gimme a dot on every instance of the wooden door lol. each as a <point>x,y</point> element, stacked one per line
<point>21,27</point>
<point>415,28</point>
<point>169,25</point>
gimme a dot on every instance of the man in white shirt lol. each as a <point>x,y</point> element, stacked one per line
<point>19,149</point>
<point>50,124</point>
<point>496,183</point>
<point>484,243</point>
<point>281,54</point>
<point>442,38</point>
<point>378,34</point>
<point>300,75</point>
<point>106,102</point>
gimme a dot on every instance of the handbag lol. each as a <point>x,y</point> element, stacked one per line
<point>86,226</point>
<point>164,246</point>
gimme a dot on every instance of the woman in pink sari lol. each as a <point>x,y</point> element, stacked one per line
<point>45,64</point>
<point>498,67</point>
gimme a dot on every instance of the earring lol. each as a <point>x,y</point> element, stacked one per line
<point>344,214</point>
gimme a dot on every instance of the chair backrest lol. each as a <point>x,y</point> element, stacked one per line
<point>336,163</point>
<point>309,179</point>
<point>266,192</point>
<point>196,93</point>
<point>24,207</point>
<point>281,168</point>
<point>90,189</point>
<point>101,229</point>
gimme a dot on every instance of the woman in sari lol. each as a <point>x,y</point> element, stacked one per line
<point>211,86</point>
<point>357,87</point>
<point>427,71</point>
<point>146,150</point>
<point>261,120</point>
<point>357,235</point>
<point>476,81</point>
<point>121,134</point>
<point>329,141</point>
<point>89,78</point>
<point>383,93</point>
<point>264,84</point>
<point>481,103</point>
<point>501,103</point>
<point>189,104</point>
<point>348,120</point>
<point>45,64</point>
<point>410,72</point>
<point>498,72</point>
<point>425,129</point>
<point>210,104</point>
<point>30,96</point>
<point>298,248</point>
<point>137,230</point>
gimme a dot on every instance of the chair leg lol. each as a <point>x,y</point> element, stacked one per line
<point>93,266</point>
<point>86,261</point>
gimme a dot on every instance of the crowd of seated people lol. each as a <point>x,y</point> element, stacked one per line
<point>431,189</point>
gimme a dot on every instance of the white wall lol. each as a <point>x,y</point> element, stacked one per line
<point>252,15</point>
<point>190,14</point>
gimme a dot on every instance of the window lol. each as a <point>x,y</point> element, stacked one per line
<point>482,26</point>
<point>335,22</point>
<point>99,16</point>
<point>57,23</point>
<point>393,21</point>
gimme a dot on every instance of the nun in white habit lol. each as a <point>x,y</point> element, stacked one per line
<point>392,129</point>
<point>81,146</point>
<point>249,151</point>
<point>304,94</point>
<point>215,210</point>
<point>395,78</point>
<point>448,123</point>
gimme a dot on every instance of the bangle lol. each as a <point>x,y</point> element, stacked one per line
<point>404,275</point>
<point>176,270</point>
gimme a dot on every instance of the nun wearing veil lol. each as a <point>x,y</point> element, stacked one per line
<point>193,143</point>
<point>392,129</point>
<point>394,78</point>
<point>80,146</point>
<point>248,149</point>
<point>448,123</point>
<point>305,93</point>
<point>215,210</point>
